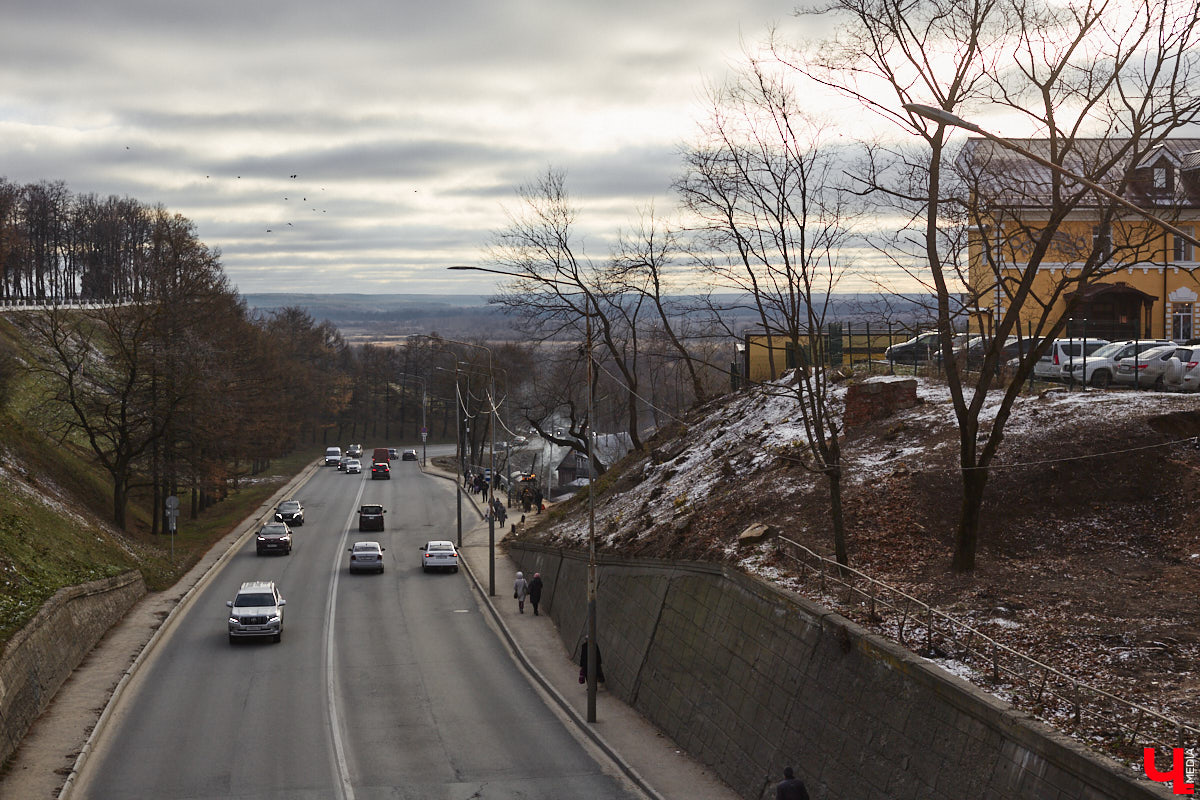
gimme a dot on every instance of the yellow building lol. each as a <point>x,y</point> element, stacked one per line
<point>1125,279</point>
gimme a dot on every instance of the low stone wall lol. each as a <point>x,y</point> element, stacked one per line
<point>877,399</point>
<point>749,679</point>
<point>42,655</point>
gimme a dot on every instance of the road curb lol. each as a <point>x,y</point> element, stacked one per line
<point>236,538</point>
<point>576,717</point>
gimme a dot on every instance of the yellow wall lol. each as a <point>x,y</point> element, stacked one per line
<point>1147,262</point>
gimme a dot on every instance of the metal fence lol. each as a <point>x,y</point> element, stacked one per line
<point>1039,689</point>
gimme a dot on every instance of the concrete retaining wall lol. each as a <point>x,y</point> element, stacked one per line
<point>749,679</point>
<point>42,655</point>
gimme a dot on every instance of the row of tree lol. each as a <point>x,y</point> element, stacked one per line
<point>59,247</point>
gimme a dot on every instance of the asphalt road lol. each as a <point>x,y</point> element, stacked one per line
<point>384,686</point>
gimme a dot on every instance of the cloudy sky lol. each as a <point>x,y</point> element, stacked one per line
<point>363,145</point>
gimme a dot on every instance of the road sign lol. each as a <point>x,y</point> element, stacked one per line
<point>171,502</point>
<point>424,436</point>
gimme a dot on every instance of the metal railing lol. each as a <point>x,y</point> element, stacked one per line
<point>1036,688</point>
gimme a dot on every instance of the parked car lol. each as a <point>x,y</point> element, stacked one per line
<point>366,556</point>
<point>917,350</point>
<point>975,350</point>
<point>370,517</point>
<point>1147,369</point>
<point>291,512</point>
<point>333,456</point>
<point>1100,366</point>
<point>1183,372</point>
<point>409,455</point>
<point>439,555</point>
<point>1063,354</point>
<point>355,451</point>
<point>257,610</point>
<point>354,467</point>
<point>519,441</point>
<point>274,537</point>
<point>381,470</point>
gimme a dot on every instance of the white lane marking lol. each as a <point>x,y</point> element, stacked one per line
<point>339,748</point>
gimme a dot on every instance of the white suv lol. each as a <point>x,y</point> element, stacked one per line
<point>257,610</point>
<point>1101,365</point>
<point>1063,354</point>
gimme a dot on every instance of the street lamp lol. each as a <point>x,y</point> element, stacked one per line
<point>943,117</point>
<point>492,460</point>
<point>424,402</point>
<point>591,579</point>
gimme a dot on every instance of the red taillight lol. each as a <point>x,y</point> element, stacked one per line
<point>1056,358</point>
<point>1191,364</point>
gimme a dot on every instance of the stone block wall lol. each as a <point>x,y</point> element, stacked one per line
<point>877,399</point>
<point>749,679</point>
<point>42,655</point>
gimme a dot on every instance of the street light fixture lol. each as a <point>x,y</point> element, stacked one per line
<point>591,578</point>
<point>424,402</point>
<point>492,459</point>
<point>943,117</point>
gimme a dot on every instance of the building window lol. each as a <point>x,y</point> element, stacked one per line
<point>1185,250</point>
<point>1181,321</point>
<point>1101,241</point>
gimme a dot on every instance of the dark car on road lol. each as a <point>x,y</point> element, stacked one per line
<point>381,470</point>
<point>370,517</point>
<point>274,537</point>
<point>291,512</point>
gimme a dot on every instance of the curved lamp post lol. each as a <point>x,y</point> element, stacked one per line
<point>591,579</point>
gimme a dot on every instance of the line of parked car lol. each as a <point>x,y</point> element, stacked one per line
<point>1159,364</point>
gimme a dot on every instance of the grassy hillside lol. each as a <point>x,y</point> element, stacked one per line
<point>55,504</point>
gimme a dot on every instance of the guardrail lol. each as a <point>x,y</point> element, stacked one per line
<point>1035,687</point>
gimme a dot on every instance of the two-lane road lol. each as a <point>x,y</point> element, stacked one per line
<point>384,686</point>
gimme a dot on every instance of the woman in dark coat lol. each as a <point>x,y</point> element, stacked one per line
<point>535,591</point>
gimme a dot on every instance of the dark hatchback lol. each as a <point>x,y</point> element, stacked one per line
<point>381,470</point>
<point>370,517</point>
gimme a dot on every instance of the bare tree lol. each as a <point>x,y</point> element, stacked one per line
<point>559,291</point>
<point>763,186</point>
<point>1104,83</point>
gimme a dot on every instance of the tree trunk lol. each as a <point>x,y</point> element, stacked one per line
<point>837,518</point>
<point>966,541</point>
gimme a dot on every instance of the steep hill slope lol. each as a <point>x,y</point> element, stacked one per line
<point>1090,549</point>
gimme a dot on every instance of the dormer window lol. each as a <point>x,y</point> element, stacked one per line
<point>1160,178</point>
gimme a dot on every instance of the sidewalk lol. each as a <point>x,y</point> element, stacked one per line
<point>644,753</point>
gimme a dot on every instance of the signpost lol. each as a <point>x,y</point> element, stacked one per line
<point>172,506</point>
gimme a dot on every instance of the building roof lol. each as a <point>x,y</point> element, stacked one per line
<point>1003,177</point>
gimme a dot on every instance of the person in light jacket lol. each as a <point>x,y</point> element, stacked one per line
<point>520,590</point>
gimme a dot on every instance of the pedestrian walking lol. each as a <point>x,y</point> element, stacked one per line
<point>526,499</point>
<point>583,663</point>
<point>535,591</point>
<point>537,500</point>
<point>791,787</point>
<point>501,514</point>
<point>520,590</point>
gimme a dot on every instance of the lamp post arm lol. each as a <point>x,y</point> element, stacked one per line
<point>943,117</point>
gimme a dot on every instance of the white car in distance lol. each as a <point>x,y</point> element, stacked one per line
<point>439,554</point>
<point>366,556</point>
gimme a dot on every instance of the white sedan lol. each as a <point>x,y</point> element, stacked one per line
<point>354,466</point>
<point>366,556</point>
<point>439,555</point>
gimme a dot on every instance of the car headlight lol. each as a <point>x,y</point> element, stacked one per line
<point>234,621</point>
<point>262,538</point>
<point>273,618</point>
